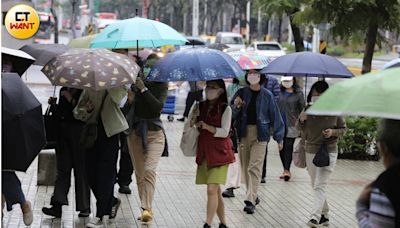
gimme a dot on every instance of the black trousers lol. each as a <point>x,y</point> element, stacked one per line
<point>191,98</point>
<point>264,172</point>
<point>70,155</point>
<point>101,166</point>
<point>287,152</point>
<point>124,177</point>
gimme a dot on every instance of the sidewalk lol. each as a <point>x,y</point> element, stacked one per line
<point>181,203</point>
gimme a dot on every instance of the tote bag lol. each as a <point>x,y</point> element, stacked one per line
<point>299,154</point>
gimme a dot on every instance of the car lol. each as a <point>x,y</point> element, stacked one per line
<point>193,41</point>
<point>270,49</point>
<point>233,40</point>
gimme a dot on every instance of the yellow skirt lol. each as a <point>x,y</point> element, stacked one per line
<point>214,175</point>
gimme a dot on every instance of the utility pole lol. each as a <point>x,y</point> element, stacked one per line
<point>248,21</point>
<point>315,40</point>
<point>195,18</point>
<point>205,17</point>
<point>259,24</point>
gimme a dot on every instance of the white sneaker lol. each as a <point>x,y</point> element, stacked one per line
<point>27,215</point>
<point>96,223</point>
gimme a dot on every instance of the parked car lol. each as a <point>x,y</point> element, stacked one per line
<point>270,49</point>
<point>233,40</point>
<point>193,41</point>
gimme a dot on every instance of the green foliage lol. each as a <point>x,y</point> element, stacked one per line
<point>336,50</point>
<point>359,139</point>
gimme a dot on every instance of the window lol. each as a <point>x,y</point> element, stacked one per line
<point>268,47</point>
<point>232,40</point>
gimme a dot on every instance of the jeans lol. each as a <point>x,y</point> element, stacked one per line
<point>11,189</point>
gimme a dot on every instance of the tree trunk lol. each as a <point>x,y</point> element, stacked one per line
<point>73,17</point>
<point>298,40</point>
<point>53,12</point>
<point>369,48</point>
<point>280,29</point>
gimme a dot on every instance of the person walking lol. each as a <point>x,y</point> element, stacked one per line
<point>195,94</point>
<point>146,139</point>
<point>319,131</point>
<point>291,104</point>
<point>379,203</point>
<point>12,194</point>
<point>255,109</point>
<point>214,152</point>
<point>102,107</point>
<point>233,177</point>
<point>272,85</point>
<point>70,155</point>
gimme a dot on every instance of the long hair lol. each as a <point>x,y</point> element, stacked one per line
<point>221,84</point>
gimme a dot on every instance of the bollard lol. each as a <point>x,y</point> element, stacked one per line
<point>47,167</point>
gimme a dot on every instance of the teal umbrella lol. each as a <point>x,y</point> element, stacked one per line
<point>373,94</point>
<point>137,32</point>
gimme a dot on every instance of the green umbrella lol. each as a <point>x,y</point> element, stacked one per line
<point>373,94</point>
<point>82,42</point>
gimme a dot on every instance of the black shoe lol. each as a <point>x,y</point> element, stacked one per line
<point>115,207</point>
<point>124,189</point>
<point>313,223</point>
<point>54,211</point>
<point>84,213</point>
<point>249,208</point>
<point>181,119</point>
<point>263,180</point>
<point>221,225</point>
<point>324,221</point>
<point>206,225</point>
<point>257,201</point>
<point>228,193</point>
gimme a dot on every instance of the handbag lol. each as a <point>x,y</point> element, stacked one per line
<point>51,124</point>
<point>189,140</point>
<point>89,131</point>
<point>321,159</point>
<point>299,154</point>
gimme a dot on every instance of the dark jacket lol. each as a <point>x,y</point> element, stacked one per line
<point>268,115</point>
<point>273,86</point>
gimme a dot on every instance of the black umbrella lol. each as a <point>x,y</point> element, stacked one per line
<point>44,52</point>
<point>23,134</point>
<point>19,60</point>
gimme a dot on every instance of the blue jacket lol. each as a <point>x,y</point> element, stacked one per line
<point>273,86</point>
<point>268,115</point>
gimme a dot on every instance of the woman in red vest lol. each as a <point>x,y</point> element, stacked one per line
<point>214,150</point>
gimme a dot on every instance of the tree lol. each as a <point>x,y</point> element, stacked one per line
<point>350,18</point>
<point>291,8</point>
<point>74,4</point>
<point>53,12</point>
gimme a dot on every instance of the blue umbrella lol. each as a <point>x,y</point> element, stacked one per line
<point>137,32</point>
<point>195,64</point>
<point>308,64</point>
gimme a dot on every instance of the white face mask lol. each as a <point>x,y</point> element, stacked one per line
<point>212,94</point>
<point>287,84</point>
<point>253,79</point>
<point>314,99</point>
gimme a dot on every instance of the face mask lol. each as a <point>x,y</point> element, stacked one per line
<point>146,71</point>
<point>212,94</point>
<point>253,79</point>
<point>287,84</point>
<point>314,99</point>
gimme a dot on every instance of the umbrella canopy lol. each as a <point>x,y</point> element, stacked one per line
<point>250,60</point>
<point>195,64</point>
<point>22,124</point>
<point>373,94</point>
<point>95,69</point>
<point>82,42</point>
<point>44,52</point>
<point>20,60</point>
<point>392,64</point>
<point>308,64</point>
<point>137,32</point>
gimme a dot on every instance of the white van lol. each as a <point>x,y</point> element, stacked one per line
<point>233,40</point>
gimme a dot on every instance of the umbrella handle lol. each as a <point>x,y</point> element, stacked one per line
<point>54,92</point>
